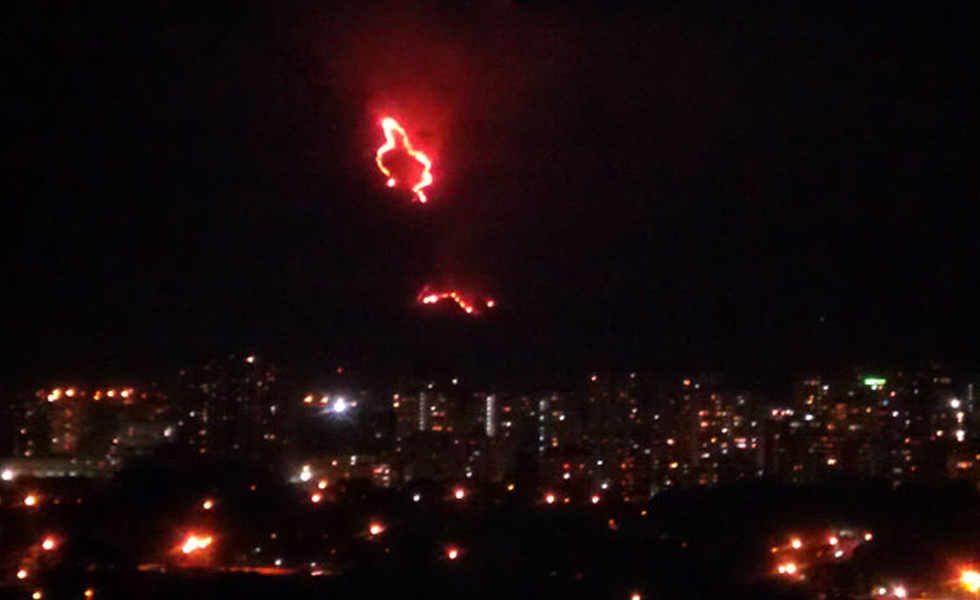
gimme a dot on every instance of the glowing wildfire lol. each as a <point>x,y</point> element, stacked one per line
<point>429,297</point>
<point>396,139</point>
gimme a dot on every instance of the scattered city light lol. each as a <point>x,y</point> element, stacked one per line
<point>305,473</point>
<point>796,543</point>
<point>30,500</point>
<point>49,543</point>
<point>322,484</point>
<point>900,591</point>
<point>636,596</point>
<point>459,493</point>
<point>376,529</point>
<point>397,139</point>
<point>833,540</point>
<point>452,553</point>
<point>22,574</point>
<point>416,497</point>
<point>868,536</point>
<point>37,595</point>
<point>595,498</point>
<point>207,504</point>
<point>316,498</point>
<point>788,569</point>
<point>7,475</point>
<point>550,498</point>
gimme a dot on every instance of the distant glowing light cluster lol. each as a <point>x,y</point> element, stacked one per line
<point>430,297</point>
<point>397,139</point>
<point>970,579</point>
<point>332,404</point>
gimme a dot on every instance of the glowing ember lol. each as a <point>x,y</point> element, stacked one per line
<point>452,553</point>
<point>194,543</point>
<point>376,529</point>
<point>397,140</point>
<point>430,297</point>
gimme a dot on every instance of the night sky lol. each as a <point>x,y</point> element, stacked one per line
<point>741,186</point>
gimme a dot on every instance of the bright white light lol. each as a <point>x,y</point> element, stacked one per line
<point>194,543</point>
<point>900,592</point>
<point>417,498</point>
<point>7,475</point>
<point>971,581</point>
<point>305,474</point>
<point>960,435</point>
<point>838,554</point>
<point>339,405</point>
<point>955,404</point>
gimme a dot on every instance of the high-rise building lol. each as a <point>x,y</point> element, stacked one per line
<point>231,408</point>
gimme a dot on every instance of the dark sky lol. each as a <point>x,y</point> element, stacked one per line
<point>706,184</point>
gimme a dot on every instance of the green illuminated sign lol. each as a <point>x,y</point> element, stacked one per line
<point>874,381</point>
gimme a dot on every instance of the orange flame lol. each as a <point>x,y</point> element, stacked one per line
<point>428,297</point>
<point>392,131</point>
